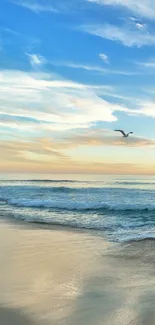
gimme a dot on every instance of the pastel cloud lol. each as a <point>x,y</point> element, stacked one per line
<point>100,139</point>
<point>47,149</point>
<point>26,150</point>
<point>82,167</point>
<point>41,156</point>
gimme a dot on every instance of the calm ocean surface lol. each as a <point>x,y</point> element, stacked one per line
<point>123,208</point>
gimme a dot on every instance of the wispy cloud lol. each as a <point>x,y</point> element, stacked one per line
<point>11,31</point>
<point>55,6</point>
<point>146,64</point>
<point>128,35</point>
<point>104,57</point>
<point>36,5</point>
<point>144,8</point>
<point>93,68</point>
<point>38,150</point>
<point>36,60</point>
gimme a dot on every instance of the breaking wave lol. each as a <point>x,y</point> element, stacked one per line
<point>78,205</point>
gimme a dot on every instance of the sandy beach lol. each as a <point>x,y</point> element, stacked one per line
<point>61,276</point>
<point>44,272</point>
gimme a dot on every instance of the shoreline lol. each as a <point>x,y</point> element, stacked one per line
<point>17,222</point>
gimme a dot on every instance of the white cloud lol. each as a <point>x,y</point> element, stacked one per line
<point>127,35</point>
<point>55,104</point>
<point>140,26</point>
<point>143,8</point>
<point>133,19</point>
<point>146,108</point>
<point>104,57</point>
<point>36,60</point>
<point>44,102</point>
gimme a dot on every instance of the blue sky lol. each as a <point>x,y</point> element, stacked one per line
<point>70,73</point>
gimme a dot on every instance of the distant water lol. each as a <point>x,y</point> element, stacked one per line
<point>122,208</point>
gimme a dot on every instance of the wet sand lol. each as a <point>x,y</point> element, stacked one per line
<point>63,277</point>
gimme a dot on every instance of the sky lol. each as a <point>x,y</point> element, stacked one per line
<point>71,72</point>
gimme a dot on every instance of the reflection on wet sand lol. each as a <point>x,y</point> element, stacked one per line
<point>61,277</point>
<point>10,316</point>
<point>122,289</point>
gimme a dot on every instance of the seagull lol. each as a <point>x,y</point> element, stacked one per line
<point>125,135</point>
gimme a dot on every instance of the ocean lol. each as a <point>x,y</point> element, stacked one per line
<point>120,208</point>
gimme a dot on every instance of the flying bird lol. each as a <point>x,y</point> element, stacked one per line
<point>125,135</point>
